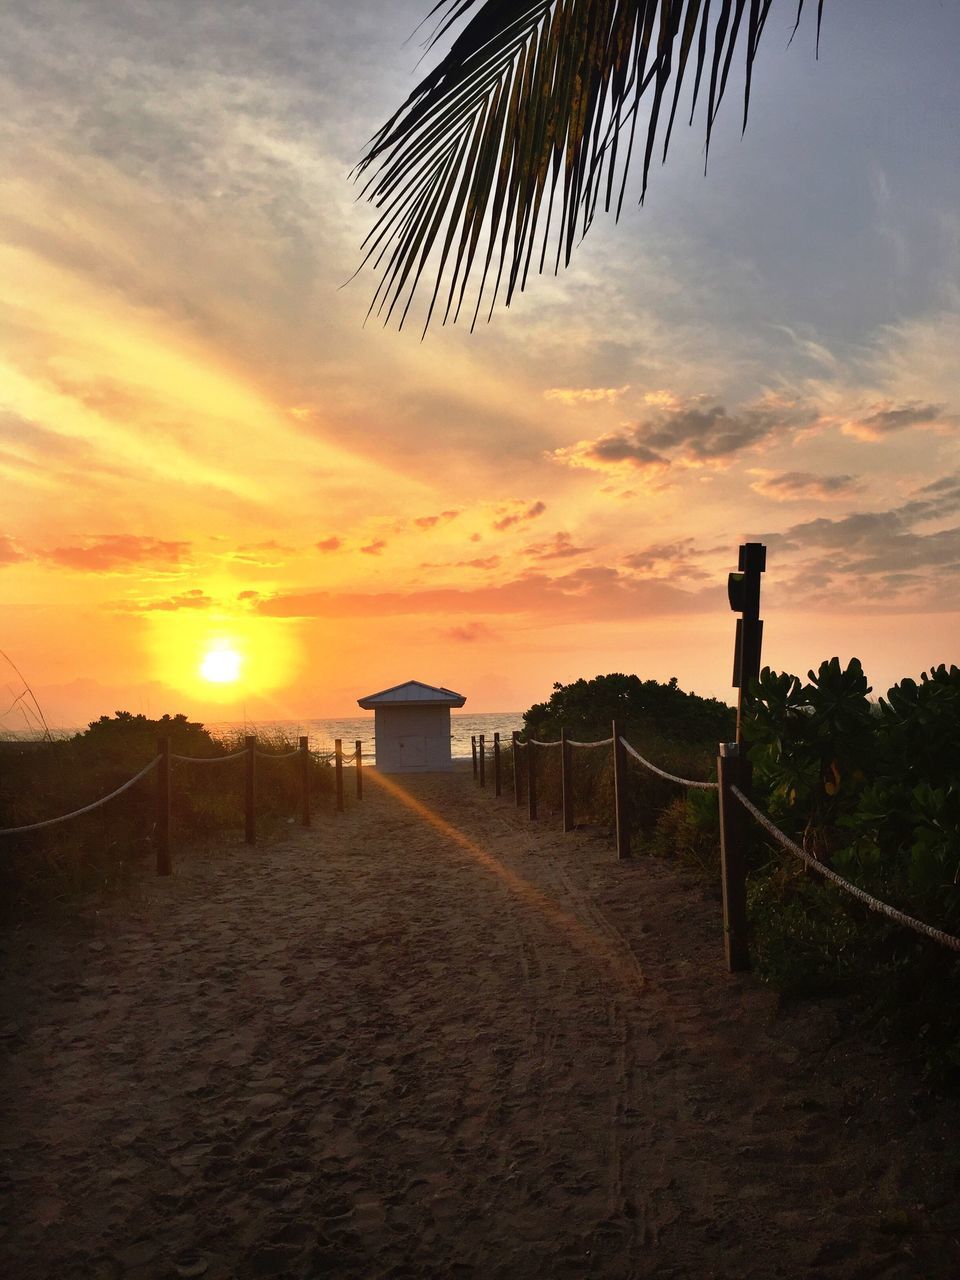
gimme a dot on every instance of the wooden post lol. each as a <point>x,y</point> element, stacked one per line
<point>531,780</point>
<point>250,796</point>
<point>743,592</point>
<point>483,761</point>
<point>164,864</point>
<point>620,794</point>
<point>304,782</point>
<point>733,770</point>
<point>516,767</point>
<point>473,749</point>
<point>496,764</point>
<point>338,750</point>
<point>359,747</point>
<point>566,781</point>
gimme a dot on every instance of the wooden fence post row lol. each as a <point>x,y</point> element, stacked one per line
<point>359,767</point>
<point>338,752</point>
<point>496,764</point>
<point>304,782</point>
<point>531,780</point>
<point>473,751</point>
<point>164,865</point>
<point>733,771</point>
<point>516,767</point>
<point>250,791</point>
<point>566,782</point>
<point>483,761</point>
<point>620,793</point>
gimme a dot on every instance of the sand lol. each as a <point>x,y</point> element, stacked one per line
<point>461,1045</point>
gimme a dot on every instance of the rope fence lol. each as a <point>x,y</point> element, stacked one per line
<point>250,754</point>
<point>868,900</point>
<point>734,804</point>
<point>88,808</point>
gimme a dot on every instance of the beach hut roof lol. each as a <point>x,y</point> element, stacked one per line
<point>413,693</point>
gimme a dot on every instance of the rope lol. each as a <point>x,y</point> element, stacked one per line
<point>237,755</point>
<point>272,755</point>
<point>537,743</point>
<point>52,822</point>
<point>867,899</point>
<point>670,777</point>
<point>604,742</point>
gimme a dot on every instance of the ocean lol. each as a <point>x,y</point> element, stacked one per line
<point>321,733</point>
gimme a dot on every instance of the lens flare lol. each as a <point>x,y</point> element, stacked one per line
<point>221,664</point>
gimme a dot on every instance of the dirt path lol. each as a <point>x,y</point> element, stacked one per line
<point>430,1039</point>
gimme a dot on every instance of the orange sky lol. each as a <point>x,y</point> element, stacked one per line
<point>203,446</point>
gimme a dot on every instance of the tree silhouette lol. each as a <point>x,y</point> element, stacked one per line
<point>527,126</point>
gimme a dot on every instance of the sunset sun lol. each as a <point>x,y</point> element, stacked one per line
<point>221,664</point>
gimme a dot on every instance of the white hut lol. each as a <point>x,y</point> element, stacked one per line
<point>412,726</point>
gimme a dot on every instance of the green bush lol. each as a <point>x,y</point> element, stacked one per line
<point>114,844</point>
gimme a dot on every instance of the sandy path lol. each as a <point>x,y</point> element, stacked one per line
<point>464,1046</point>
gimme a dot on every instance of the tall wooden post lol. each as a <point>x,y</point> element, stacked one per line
<point>473,750</point>
<point>304,782</point>
<point>496,764</point>
<point>164,864</point>
<point>359,745</point>
<point>733,770</point>
<point>516,767</point>
<point>338,752</point>
<point>566,781</point>
<point>250,791</point>
<point>531,779</point>
<point>482,749</point>
<point>620,794</point>
<point>743,592</point>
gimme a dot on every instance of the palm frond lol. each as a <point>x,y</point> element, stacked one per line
<point>526,126</point>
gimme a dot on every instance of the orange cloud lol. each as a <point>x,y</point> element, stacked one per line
<point>328,544</point>
<point>585,395</point>
<point>110,552</point>
<point>518,517</point>
<point>373,548</point>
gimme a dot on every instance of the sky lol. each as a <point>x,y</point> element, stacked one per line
<point>206,451</point>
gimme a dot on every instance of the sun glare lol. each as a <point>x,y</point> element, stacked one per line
<point>221,664</point>
<point>223,658</point>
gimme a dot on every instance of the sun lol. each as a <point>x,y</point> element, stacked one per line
<point>221,664</point>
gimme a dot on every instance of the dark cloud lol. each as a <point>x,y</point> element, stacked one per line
<point>677,558</point>
<point>110,552</point>
<point>887,418</point>
<point>519,517</point>
<point>787,486</point>
<point>560,547</point>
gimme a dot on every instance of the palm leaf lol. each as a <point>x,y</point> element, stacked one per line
<point>526,125</point>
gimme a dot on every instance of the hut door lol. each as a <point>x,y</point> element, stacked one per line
<point>413,749</point>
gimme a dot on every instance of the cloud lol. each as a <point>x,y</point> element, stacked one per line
<point>790,486</point>
<point>373,548</point>
<point>328,544</point>
<point>429,522</point>
<point>668,559</point>
<point>195,599</point>
<point>585,395</point>
<point>887,417</point>
<point>519,517</point>
<point>108,552</point>
<point>468,633</point>
<point>560,547</point>
<point>689,433</point>
<point>583,594</point>
<point>10,553</point>
<point>479,562</point>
